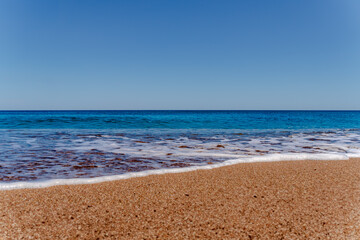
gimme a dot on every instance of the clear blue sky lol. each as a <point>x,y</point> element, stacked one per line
<point>83,54</point>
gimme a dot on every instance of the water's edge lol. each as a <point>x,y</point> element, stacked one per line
<point>265,158</point>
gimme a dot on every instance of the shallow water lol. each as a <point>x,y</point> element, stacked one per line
<point>85,144</point>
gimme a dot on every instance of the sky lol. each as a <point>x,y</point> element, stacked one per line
<point>189,54</point>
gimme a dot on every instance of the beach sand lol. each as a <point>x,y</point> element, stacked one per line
<point>276,200</point>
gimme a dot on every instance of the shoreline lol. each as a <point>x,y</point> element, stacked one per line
<point>262,158</point>
<point>287,199</point>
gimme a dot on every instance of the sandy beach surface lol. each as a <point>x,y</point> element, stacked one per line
<point>277,200</point>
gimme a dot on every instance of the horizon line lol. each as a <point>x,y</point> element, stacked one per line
<point>58,110</point>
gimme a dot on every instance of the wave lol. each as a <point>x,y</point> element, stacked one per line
<point>264,158</point>
<point>31,158</point>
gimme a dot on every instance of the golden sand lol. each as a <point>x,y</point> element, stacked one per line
<point>278,200</point>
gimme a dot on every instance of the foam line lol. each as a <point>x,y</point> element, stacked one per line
<point>264,158</point>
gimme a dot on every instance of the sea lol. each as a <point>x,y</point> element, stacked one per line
<point>46,148</point>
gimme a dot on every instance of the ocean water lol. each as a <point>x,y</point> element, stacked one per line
<point>44,148</point>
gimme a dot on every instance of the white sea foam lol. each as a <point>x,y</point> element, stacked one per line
<point>264,158</point>
<point>159,152</point>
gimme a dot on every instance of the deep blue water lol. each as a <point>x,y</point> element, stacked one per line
<point>179,119</point>
<point>43,145</point>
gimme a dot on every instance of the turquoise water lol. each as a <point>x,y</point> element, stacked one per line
<point>179,119</point>
<point>48,145</point>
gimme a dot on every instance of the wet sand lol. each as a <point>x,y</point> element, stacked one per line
<point>278,200</point>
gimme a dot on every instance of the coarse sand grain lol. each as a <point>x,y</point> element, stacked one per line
<point>274,200</point>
